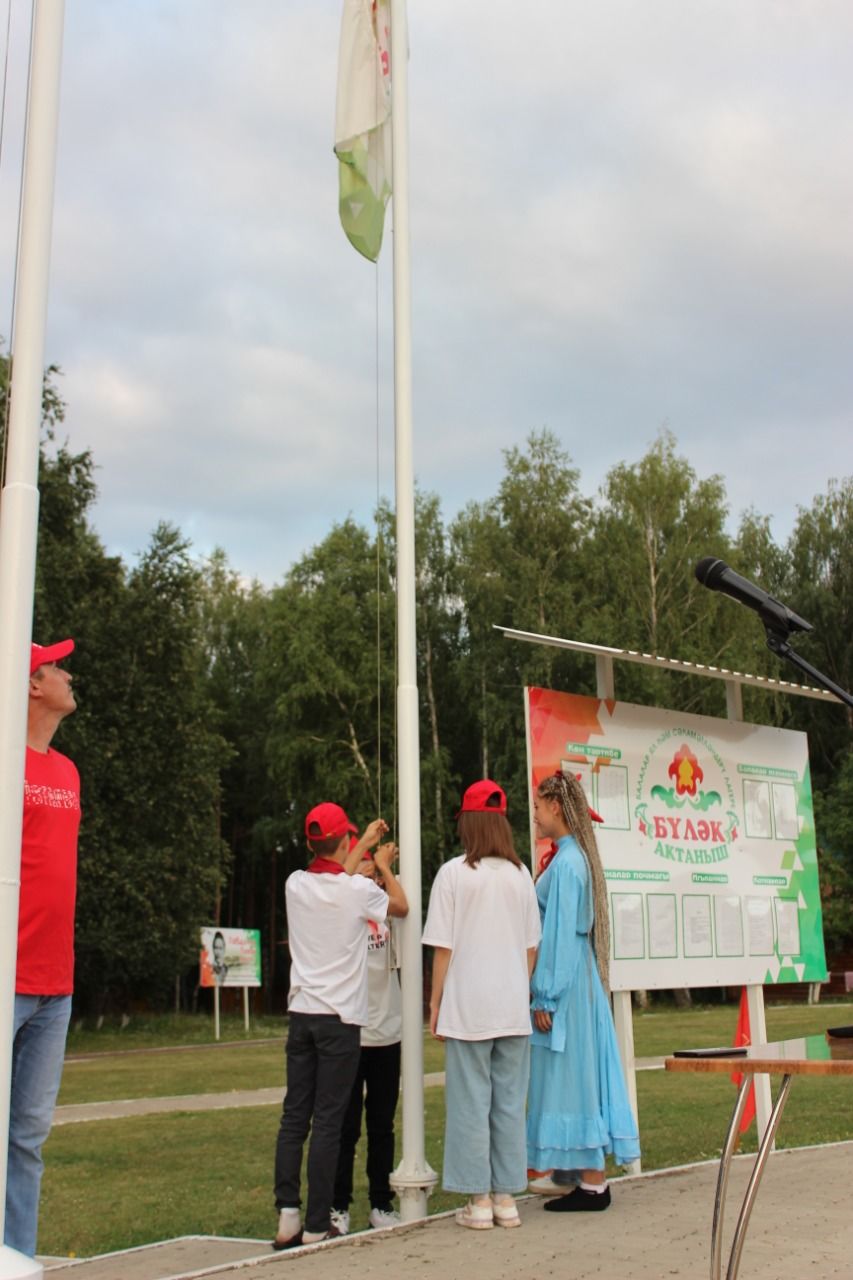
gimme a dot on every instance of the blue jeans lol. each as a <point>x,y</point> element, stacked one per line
<point>485,1142</point>
<point>38,1052</point>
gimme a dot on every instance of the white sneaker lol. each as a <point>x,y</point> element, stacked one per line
<point>339,1219</point>
<point>505,1211</point>
<point>546,1186</point>
<point>478,1216</point>
<point>289,1233</point>
<point>384,1218</point>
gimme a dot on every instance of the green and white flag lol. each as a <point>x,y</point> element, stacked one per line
<point>363,122</point>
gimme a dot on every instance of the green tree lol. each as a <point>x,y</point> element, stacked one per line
<point>438,634</point>
<point>522,561</point>
<point>328,671</point>
<point>234,631</point>
<point>657,520</point>
<point>821,591</point>
<point>834,823</point>
<point>151,856</point>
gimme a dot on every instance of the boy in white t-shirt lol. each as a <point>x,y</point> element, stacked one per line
<point>328,908</point>
<point>377,1082</point>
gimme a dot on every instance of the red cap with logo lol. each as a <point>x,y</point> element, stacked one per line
<point>328,821</point>
<point>42,653</point>
<point>484,796</point>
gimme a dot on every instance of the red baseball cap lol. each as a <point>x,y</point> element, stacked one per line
<point>331,821</point>
<point>484,796</point>
<point>41,653</point>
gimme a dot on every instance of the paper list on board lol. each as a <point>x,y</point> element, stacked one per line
<point>728,925</point>
<point>628,935</point>
<point>759,919</point>
<point>696,913</point>
<point>663,935</point>
<point>788,925</point>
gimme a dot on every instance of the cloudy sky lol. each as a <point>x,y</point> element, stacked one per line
<point>623,215</point>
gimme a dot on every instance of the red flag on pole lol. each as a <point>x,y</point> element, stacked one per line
<point>742,1036</point>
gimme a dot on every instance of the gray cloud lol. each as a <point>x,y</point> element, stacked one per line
<point>621,215</point>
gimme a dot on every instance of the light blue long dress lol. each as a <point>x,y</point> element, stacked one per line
<point>577,1110</point>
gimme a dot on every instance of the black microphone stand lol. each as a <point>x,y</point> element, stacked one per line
<point>778,642</point>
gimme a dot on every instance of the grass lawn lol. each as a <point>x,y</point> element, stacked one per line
<point>660,1032</point>
<point>206,1069</point>
<point>162,1075</point>
<point>112,1184</point>
<point>160,1030</point>
<point>211,1068</point>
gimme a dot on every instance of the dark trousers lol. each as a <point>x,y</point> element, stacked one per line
<point>322,1059</point>
<point>377,1086</point>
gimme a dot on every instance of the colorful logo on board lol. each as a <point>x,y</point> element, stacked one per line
<point>684,801</point>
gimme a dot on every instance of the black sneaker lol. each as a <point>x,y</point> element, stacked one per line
<point>580,1201</point>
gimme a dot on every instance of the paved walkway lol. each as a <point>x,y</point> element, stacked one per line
<point>76,1113</point>
<point>658,1226</point>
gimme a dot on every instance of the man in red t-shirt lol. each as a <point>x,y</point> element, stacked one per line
<point>45,971</point>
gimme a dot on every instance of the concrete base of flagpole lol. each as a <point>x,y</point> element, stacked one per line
<point>413,1188</point>
<point>15,1266</point>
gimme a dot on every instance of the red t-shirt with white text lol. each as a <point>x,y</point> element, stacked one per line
<point>48,875</point>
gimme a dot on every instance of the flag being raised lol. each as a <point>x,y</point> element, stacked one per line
<point>363,123</point>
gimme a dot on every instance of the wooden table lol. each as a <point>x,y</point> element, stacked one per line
<point>821,1055</point>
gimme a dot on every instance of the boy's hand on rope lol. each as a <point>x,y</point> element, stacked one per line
<point>374,833</point>
<point>384,856</point>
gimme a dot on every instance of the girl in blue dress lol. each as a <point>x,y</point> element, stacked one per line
<point>578,1111</point>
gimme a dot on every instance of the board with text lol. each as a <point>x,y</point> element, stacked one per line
<point>708,839</point>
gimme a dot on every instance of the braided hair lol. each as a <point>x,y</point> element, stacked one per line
<point>568,792</point>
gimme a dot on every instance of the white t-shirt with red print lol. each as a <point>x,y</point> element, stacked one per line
<point>384,1001</point>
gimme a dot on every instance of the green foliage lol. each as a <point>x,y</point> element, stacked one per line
<point>834,825</point>
<point>821,590</point>
<point>213,713</point>
<point>523,560</point>
<point>144,738</point>
<point>332,703</point>
<point>151,856</point>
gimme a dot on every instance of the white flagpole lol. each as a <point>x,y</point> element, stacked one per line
<point>413,1179</point>
<point>19,526</point>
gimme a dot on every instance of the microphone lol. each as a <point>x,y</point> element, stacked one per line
<point>717,576</point>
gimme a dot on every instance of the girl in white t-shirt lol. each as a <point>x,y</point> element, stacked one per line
<point>483,922</point>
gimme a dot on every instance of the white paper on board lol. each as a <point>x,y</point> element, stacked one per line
<point>788,925</point>
<point>728,925</point>
<point>663,935</point>
<point>696,909</point>
<point>756,805</point>
<point>759,917</point>
<point>785,811</point>
<point>628,936</point>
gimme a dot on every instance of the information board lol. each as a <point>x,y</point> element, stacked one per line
<point>708,839</point>
<point>230,957</point>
